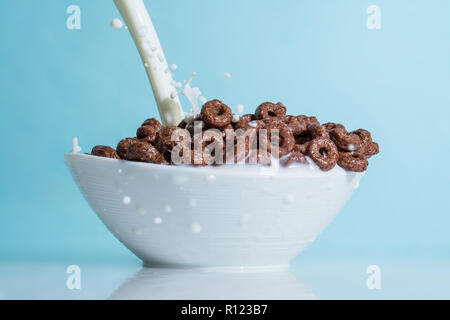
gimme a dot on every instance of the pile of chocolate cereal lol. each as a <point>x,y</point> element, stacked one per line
<point>298,137</point>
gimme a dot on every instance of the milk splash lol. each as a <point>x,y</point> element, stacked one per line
<point>75,147</point>
<point>193,95</point>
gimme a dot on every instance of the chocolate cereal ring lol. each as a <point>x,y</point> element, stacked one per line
<point>368,147</point>
<point>302,148</point>
<point>317,131</point>
<point>152,123</point>
<point>164,141</point>
<point>198,160</point>
<point>285,139</point>
<point>331,125</point>
<point>352,161</point>
<point>144,152</point>
<point>216,114</point>
<point>372,150</point>
<point>239,149</point>
<point>183,124</point>
<point>256,124</point>
<point>297,127</point>
<point>243,121</point>
<point>269,110</point>
<point>123,145</point>
<point>324,153</point>
<point>147,133</point>
<point>195,124</point>
<point>292,158</point>
<point>228,129</point>
<point>213,146</point>
<point>105,152</point>
<point>345,141</point>
<point>307,121</point>
<point>314,131</point>
<point>248,122</point>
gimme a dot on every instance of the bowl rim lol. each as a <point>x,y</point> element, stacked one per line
<point>251,170</point>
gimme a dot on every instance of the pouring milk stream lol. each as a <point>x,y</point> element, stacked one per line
<point>144,35</point>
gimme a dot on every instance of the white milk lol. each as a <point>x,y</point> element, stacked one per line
<point>193,94</point>
<point>144,35</point>
<point>116,23</point>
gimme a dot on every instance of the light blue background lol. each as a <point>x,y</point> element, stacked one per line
<point>317,57</point>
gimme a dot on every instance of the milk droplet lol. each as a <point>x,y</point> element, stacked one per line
<point>227,75</point>
<point>196,228</point>
<point>192,203</point>
<point>167,209</point>
<point>116,23</point>
<point>126,200</point>
<point>239,109</point>
<point>173,67</point>
<point>211,178</point>
<point>157,220</point>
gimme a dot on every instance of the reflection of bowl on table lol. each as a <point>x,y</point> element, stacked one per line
<point>229,216</point>
<point>213,284</point>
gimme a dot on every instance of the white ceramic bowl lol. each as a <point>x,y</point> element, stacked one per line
<point>214,216</point>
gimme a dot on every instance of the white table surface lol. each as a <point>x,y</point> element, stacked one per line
<point>318,279</point>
